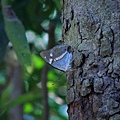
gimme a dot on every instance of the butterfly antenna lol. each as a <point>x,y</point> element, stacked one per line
<point>61,74</point>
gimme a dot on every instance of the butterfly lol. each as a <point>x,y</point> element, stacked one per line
<point>60,57</point>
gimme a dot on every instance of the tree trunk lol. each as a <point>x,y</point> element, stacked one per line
<point>92,28</point>
<point>14,79</point>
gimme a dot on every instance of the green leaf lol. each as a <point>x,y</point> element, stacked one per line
<point>16,34</point>
<point>57,3</point>
<point>37,61</point>
<point>28,108</point>
<point>20,100</point>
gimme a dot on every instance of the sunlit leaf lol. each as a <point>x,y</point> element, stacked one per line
<point>28,108</point>
<point>52,75</point>
<point>37,61</point>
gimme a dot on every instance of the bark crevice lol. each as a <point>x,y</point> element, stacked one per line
<point>94,36</point>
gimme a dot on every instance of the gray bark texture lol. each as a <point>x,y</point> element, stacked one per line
<point>92,28</point>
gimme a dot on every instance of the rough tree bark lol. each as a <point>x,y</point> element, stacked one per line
<point>92,28</point>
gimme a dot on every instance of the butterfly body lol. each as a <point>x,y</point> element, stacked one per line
<point>60,57</point>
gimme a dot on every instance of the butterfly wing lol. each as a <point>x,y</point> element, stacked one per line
<point>59,57</point>
<point>46,56</point>
<point>63,64</point>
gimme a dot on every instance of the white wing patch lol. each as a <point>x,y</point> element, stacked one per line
<point>58,58</point>
<point>51,54</point>
<point>62,61</point>
<point>63,64</point>
<point>50,60</point>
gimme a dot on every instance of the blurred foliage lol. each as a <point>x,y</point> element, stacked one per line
<point>35,17</point>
